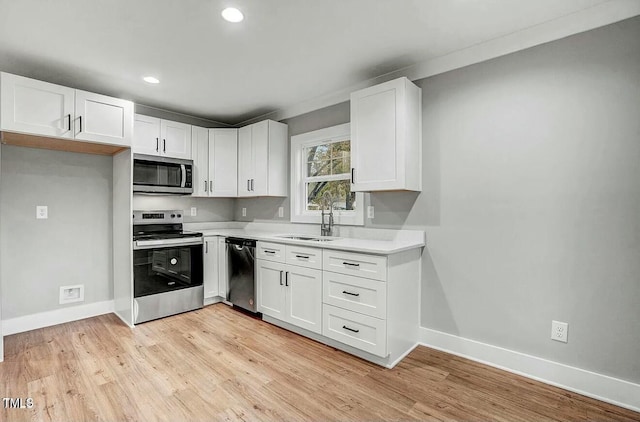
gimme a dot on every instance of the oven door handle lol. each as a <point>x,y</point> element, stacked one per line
<point>156,244</point>
<point>183,169</point>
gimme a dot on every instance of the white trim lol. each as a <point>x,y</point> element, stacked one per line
<point>299,214</point>
<point>581,21</point>
<point>601,387</point>
<point>59,316</point>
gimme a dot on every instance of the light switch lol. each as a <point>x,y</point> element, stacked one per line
<point>42,212</point>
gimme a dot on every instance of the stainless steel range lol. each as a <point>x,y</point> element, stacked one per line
<point>167,266</point>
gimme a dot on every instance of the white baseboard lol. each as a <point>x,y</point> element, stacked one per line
<point>58,316</point>
<point>601,387</point>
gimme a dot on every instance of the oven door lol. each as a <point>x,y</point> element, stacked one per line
<point>166,268</point>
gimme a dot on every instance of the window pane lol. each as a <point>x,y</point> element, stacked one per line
<point>338,149</point>
<point>319,168</point>
<point>318,152</point>
<point>340,191</point>
<point>341,165</point>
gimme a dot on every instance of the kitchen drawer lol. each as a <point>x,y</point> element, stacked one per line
<point>357,294</point>
<point>360,331</point>
<point>270,251</point>
<point>358,264</point>
<point>303,256</point>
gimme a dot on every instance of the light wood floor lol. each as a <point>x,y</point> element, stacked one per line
<point>219,364</point>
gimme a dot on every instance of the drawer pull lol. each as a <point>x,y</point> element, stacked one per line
<point>351,264</point>
<point>281,277</point>
<point>302,256</point>
<point>350,293</point>
<point>266,251</point>
<point>350,329</point>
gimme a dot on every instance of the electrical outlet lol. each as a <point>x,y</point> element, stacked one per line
<point>42,212</point>
<point>280,212</point>
<point>559,331</point>
<point>194,211</point>
<point>70,294</point>
<point>244,212</point>
<point>370,211</point>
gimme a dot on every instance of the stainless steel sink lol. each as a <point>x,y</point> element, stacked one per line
<point>309,238</point>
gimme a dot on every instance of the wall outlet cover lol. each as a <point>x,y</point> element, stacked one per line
<point>370,211</point>
<point>42,212</point>
<point>244,212</point>
<point>194,211</point>
<point>280,212</point>
<point>559,331</point>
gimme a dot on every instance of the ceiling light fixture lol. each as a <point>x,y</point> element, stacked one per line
<point>151,80</point>
<point>231,14</point>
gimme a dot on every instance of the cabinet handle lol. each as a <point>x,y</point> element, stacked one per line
<point>302,256</point>
<point>248,189</point>
<point>206,249</point>
<point>69,117</point>
<point>281,277</point>
<point>80,120</point>
<point>351,264</point>
<point>353,179</point>
<point>271,252</point>
<point>350,329</point>
<point>286,279</point>
<point>205,185</point>
<point>252,185</point>
<point>157,144</point>
<point>210,185</point>
<point>164,145</point>
<point>350,293</point>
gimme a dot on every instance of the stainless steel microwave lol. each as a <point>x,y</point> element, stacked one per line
<point>152,174</point>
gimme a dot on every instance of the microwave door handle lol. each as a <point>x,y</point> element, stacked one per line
<point>183,168</point>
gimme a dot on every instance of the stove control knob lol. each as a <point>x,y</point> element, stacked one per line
<point>179,215</point>
<point>173,216</point>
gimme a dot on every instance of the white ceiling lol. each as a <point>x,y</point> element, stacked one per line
<point>285,52</point>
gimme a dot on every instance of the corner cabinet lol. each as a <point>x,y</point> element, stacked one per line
<point>386,137</point>
<point>153,136</point>
<point>262,159</point>
<point>40,108</point>
<point>215,157</point>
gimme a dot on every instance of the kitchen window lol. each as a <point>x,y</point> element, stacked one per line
<point>321,169</point>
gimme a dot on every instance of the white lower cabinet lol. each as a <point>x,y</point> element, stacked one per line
<point>214,267</point>
<point>290,293</point>
<point>365,304</point>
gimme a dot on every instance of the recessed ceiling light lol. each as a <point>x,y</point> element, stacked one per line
<point>151,80</point>
<point>232,14</point>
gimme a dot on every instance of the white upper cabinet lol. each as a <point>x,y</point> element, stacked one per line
<point>262,159</point>
<point>215,158</point>
<point>103,119</point>
<point>154,136</point>
<point>36,107</point>
<point>386,137</point>
<point>40,108</point>
<point>223,162</point>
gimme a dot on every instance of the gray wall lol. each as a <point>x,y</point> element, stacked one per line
<point>73,246</point>
<point>531,199</point>
<point>208,209</point>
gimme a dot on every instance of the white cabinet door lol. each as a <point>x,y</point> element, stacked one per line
<point>146,135</point>
<point>103,119</point>
<point>304,298</point>
<point>271,288</point>
<point>176,139</point>
<point>386,138</point>
<point>260,159</point>
<point>223,162</point>
<point>200,157</point>
<point>245,170</point>
<point>36,107</point>
<point>211,272</point>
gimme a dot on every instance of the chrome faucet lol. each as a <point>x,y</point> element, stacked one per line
<point>326,229</point>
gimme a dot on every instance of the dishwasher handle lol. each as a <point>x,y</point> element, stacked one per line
<point>237,241</point>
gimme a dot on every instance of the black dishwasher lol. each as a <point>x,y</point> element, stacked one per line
<point>241,283</point>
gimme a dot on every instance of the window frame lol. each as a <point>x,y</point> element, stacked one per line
<point>299,213</point>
